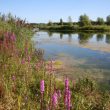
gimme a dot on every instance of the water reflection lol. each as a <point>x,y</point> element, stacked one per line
<point>61,35</point>
<point>108,38</point>
<point>84,37</point>
<point>100,37</point>
<point>50,34</point>
<point>69,37</point>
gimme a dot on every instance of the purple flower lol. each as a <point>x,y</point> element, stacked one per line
<point>67,95</point>
<point>66,84</point>
<point>14,37</point>
<point>66,100</point>
<point>42,86</point>
<point>23,61</point>
<point>29,58</point>
<point>69,99</point>
<point>55,99</point>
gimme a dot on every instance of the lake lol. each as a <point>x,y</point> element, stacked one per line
<point>82,54</point>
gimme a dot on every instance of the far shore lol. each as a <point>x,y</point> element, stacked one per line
<point>97,28</point>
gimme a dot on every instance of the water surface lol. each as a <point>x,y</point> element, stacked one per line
<point>82,53</point>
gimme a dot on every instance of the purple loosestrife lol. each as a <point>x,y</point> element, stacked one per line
<point>67,95</point>
<point>66,84</point>
<point>42,87</point>
<point>55,99</point>
<point>13,37</point>
<point>66,100</point>
<point>23,61</point>
<point>10,36</point>
<point>66,91</point>
<point>69,100</point>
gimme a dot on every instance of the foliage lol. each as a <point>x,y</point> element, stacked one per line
<point>61,21</point>
<point>100,21</point>
<point>50,23</point>
<point>70,23</point>
<point>108,20</point>
<point>84,20</point>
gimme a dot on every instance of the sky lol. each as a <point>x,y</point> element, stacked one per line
<point>40,11</point>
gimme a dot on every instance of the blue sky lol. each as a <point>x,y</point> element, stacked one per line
<point>45,10</point>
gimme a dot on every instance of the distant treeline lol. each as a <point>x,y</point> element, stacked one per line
<point>84,24</point>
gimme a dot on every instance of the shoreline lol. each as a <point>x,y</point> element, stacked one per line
<point>64,28</point>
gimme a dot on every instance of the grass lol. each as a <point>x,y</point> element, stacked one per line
<point>27,81</point>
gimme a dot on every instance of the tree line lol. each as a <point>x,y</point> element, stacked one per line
<point>84,20</point>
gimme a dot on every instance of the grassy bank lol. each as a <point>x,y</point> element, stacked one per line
<point>27,81</point>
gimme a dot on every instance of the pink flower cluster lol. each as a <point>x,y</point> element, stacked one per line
<point>42,87</point>
<point>10,36</point>
<point>55,99</point>
<point>56,95</point>
<point>67,95</point>
<point>7,43</point>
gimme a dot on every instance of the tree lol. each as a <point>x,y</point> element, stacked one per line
<point>3,18</point>
<point>100,21</point>
<point>70,21</point>
<point>61,21</point>
<point>84,20</point>
<point>108,20</point>
<point>50,23</point>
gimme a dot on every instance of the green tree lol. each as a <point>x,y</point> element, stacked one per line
<point>3,18</point>
<point>84,20</point>
<point>70,23</point>
<point>100,21</point>
<point>61,21</point>
<point>108,20</point>
<point>50,23</point>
